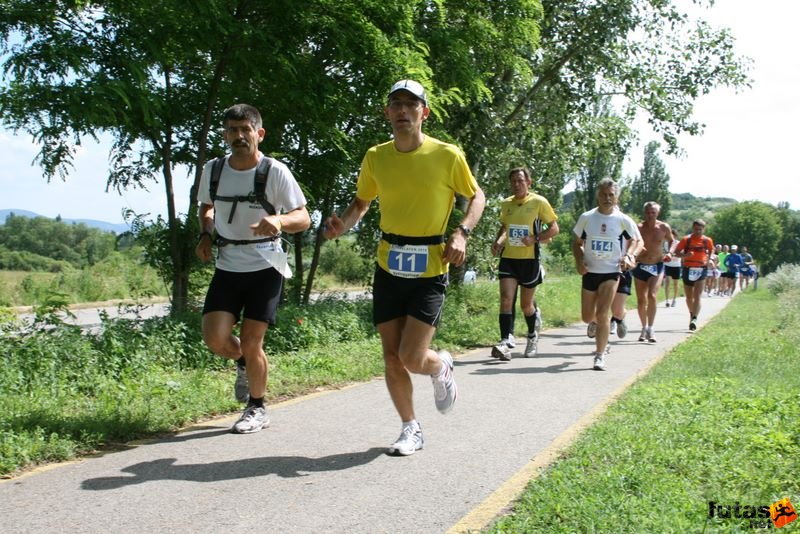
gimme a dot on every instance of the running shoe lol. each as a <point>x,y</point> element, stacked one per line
<point>501,351</point>
<point>591,329</point>
<point>673,303</point>
<point>643,335</point>
<point>650,336</point>
<point>253,419</point>
<point>444,384</point>
<point>599,361</point>
<point>622,329</point>
<point>667,304</point>
<point>532,345</point>
<point>537,321</point>
<point>510,341</point>
<point>612,330</point>
<point>693,324</point>
<point>409,442</point>
<point>241,388</point>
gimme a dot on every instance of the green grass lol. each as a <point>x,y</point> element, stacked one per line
<point>717,420</point>
<point>66,393</point>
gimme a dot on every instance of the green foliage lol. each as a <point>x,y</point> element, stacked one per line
<point>342,259</point>
<point>42,244</point>
<point>717,420</point>
<point>753,224</point>
<point>119,276</point>
<point>652,184</point>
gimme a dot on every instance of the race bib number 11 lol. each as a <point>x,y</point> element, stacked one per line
<point>408,261</point>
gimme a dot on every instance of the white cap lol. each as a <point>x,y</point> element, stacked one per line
<point>734,247</point>
<point>415,88</point>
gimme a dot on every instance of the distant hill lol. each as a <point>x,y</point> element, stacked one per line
<point>91,223</point>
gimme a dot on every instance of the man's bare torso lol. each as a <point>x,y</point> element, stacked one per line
<point>653,236</point>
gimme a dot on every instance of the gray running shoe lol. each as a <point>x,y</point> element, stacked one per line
<point>591,329</point>
<point>501,351</point>
<point>241,388</point>
<point>537,322</point>
<point>622,329</point>
<point>409,442</point>
<point>532,345</point>
<point>253,419</point>
<point>599,361</point>
<point>445,391</point>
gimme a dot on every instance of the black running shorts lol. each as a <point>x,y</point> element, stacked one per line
<point>672,272</point>
<point>394,297</point>
<point>625,280</point>
<point>256,293</point>
<point>528,272</point>
<point>591,281</point>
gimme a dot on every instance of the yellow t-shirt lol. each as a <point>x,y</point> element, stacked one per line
<point>416,191</point>
<point>524,218</point>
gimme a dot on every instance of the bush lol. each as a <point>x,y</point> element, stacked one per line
<point>786,278</point>
<point>342,259</point>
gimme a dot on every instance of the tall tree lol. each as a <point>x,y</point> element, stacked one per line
<point>652,183</point>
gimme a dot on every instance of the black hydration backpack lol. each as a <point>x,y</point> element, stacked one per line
<point>257,195</point>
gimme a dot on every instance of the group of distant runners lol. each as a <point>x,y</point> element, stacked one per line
<point>248,200</point>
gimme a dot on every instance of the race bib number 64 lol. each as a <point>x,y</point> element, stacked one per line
<point>408,261</point>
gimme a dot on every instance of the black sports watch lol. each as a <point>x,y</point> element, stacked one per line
<point>464,229</point>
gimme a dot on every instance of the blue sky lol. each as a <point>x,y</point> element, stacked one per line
<point>746,153</point>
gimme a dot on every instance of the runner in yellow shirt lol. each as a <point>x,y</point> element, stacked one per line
<point>416,179</point>
<point>522,217</point>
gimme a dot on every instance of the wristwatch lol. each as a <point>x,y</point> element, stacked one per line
<point>464,229</point>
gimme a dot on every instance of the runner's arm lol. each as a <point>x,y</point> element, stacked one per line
<point>456,250</point>
<point>205,216</point>
<point>335,226</point>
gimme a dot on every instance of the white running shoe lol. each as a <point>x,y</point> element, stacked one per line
<point>253,419</point>
<point>241,388</point>
<point>599,361</point>
<point>622,329</point>
<point>532,345</point>
<point>612,330</point>
<point>445,391</point>
<point>673,303</point>
<point>409,442</point>
<point>510,341</point>
<point>537,322</point>
<point>501,351</point>
<point>650,336</point>
<point>591,329</point>
<point>643,335</point>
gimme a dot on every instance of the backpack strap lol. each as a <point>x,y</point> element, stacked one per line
<point>259,186</point>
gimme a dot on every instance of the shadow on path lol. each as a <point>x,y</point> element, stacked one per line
<point>282,466</point>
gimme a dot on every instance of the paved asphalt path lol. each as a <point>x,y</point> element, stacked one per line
<point>321,465</point>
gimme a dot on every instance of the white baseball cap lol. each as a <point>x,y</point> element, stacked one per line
<point>413,87</point>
